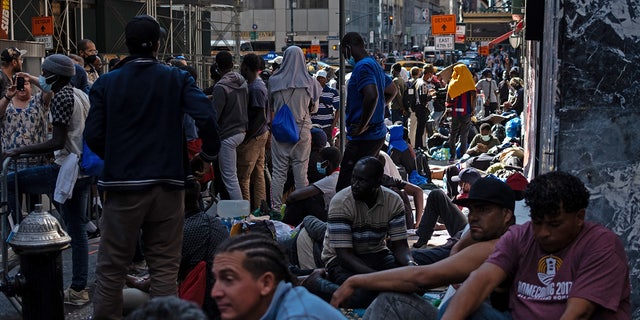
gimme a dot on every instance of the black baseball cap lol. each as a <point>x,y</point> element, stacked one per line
<point>11,53</point>
<point>469,175</point>
<point>142,32</point>
<point>491,190</point>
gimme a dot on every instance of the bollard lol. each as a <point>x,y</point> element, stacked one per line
<point>39,241</point>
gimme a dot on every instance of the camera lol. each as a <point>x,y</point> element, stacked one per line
<point>20,83</point>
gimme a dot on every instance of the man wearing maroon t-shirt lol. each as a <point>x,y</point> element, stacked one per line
<point>560,266</point>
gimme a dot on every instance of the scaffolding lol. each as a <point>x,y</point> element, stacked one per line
<point>185,21</point>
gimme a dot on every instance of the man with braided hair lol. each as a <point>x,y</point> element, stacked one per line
<point>253,282</point>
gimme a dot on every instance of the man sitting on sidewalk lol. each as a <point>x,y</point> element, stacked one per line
<point>439,206</point>
<point>490,204</point>
<point>559,266</point>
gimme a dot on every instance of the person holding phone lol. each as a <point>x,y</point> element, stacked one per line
<point>24,116</point>
<point>11,63</point>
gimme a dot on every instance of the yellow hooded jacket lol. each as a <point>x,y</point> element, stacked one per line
<point>461,81</point>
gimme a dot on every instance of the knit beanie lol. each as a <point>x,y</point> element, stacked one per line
<point>59,64</point>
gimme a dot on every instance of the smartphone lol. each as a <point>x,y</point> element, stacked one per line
<point>20,84</point>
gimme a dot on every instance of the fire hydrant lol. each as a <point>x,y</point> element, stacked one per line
<point>39,241</point>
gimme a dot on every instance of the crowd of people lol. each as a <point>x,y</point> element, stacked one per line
<point>163,139</point>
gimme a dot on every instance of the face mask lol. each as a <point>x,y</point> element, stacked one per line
<point>90,59</point>
<point>46,87</point>
<point>488,78</point>
<point>486,138</point>
<point>321,170</point>
<point>460,189</point>
<point>351,61</point>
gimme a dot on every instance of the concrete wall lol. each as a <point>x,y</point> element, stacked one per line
<point>587,110</point>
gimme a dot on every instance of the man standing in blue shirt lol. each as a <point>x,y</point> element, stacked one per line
<point>368,90</point>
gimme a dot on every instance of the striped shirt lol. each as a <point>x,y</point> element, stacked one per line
<point>351,224</point>
<point>461,105</point>
<point>329,103</point>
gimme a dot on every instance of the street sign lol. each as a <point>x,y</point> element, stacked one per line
<point>443,42</point>
<point>333,38</point>
<point>443,24</point>
<point>315,49</point>
<point>460,33</point>
<point>484,51</point>
<point>47,40</point>
<point>42,26</point>
<point>253,35</point>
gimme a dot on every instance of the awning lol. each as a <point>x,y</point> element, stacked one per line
<point>506,36</point>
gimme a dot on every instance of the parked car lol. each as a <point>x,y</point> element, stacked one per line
<point>410,64</point>
<point>471,63</point>
<point>415,54</point>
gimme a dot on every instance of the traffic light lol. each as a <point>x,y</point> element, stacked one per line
<point>334,47</point>
<point>391,19</point>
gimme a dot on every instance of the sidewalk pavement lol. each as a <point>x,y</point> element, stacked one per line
<point>8,312</point>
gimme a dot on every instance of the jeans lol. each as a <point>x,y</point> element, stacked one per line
<point>74,214</point>
<point>425,257</point>
<point>354,151</point>
<point>484,312</point>
<point>228,161</point>
<point>42,180</point>
<point>440,206</point>
<point>251,169</point>
<point>400,306</point>
<point>459,129</point>
<point>361,298</point>
<point>34,180</point>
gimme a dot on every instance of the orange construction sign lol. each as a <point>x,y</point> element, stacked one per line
<point>42,26</point>
<point>443,24</point>
<point>484,51</point>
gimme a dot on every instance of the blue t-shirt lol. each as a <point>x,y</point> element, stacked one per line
<point>367,71</point>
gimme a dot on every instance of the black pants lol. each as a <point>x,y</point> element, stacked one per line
<point>354,151</point>
<point>422,115</point>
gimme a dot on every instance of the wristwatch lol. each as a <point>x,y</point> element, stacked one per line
<point>412,263</point>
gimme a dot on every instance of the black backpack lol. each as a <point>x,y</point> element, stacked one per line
<point>409,96</point>
<point>422,163</point>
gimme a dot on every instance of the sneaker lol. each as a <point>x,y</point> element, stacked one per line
<point>76,298</point>
<point>420,243</point>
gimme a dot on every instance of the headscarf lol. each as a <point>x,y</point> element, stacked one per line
<point>293,74</point>
<point>461,81</point>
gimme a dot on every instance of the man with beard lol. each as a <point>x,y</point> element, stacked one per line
<point>361,217</point>
<point>491,203</point>
<point>11,64</point>
<point>87,50</point>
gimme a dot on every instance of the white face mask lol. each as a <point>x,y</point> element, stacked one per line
<point>486,138</point>
<point>488,78</point>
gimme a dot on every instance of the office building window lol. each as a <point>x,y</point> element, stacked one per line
<point>260,4</point>
<point>312,4</point>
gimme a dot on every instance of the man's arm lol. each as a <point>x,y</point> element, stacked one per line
<point>390,92</point>
<point>303,193</point>
<point>401,251</point>
<point>578,308</point>
<point>95,124</point>
<point>197,105</point>
<point>348,259</point>
<point>55,143</point>
<point>454,269</point>
<point>474,291</point>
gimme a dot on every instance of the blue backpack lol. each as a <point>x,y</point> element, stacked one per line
<point>284,127</point>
